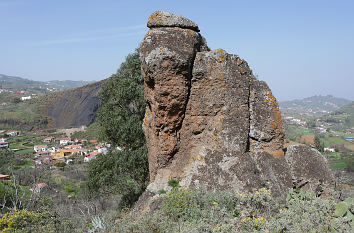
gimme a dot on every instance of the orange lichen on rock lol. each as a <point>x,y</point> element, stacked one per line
<point>272,101</point>
<point>156,17</point>
<point>278,153</point>
<point>239,61</point>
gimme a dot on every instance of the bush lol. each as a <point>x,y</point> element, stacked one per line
<point>27,221</point>
<point>221,211</point>
<point>123,172</point>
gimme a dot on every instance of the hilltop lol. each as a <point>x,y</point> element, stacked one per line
<point>27,86</point>
<point>343,117</point>
<point>314,105</point>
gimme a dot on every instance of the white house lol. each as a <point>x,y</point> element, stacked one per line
<point>4,145</point>
<point>39,148</point>
<point>26,98</point>
<point>89,158</point>
<point>52,149</point>
<point>64,141</point>
<point>13,133</point>
<point>329,149</point>
<point>102,150</point>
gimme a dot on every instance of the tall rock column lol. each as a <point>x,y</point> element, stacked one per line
<point>209,122</point>
<point>167,54</point>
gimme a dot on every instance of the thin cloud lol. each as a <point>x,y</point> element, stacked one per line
<point>99,34</point>
<point>83,39</point>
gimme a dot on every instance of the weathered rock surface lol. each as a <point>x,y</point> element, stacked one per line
<point>308,167</point>
<point>209,121</point>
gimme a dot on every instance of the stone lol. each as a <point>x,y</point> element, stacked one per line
<point>210,122</point>
<point>166,19</point>
<point>308,167</point>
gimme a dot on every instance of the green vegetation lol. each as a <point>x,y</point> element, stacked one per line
<point>184,210</point>
<point>28,221</point>
<point>92,132</point>
<point>123,105</point>
<point>120,118</point>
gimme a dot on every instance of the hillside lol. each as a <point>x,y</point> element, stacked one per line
<point>314,105</point>
<point>60,109</point>
<point>73,107</point>
<point>18,84</point>
<point>343,117</point>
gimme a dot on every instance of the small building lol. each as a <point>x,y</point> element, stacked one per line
<point>48,139</point>
<point>3,140</point>
<point>26,98</point>
<point>39,148</point>
<point>329,149</point>
<point>52,149</point>
<point>13,133</point>
<point>4,145</point>
<point>102,150</point>
<point>64,153</point>
<point>73,147</point>
<point>89,157</point>
<point>64,141</point>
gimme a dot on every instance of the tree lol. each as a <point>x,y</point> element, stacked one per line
<point>120,118</point>
<point>6,160</point>
<point>318,144</point>
<point>123,105</point>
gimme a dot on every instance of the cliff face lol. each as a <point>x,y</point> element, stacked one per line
<point>75,107</point>
<point>210,122</point>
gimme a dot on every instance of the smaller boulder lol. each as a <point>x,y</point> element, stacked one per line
<point>309,168</point>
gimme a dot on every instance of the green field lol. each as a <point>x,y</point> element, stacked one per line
<point>332,141</point>
<point>338,165</point>
<point>25,151</point>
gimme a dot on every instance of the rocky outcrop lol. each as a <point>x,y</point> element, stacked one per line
<point>209,122</point>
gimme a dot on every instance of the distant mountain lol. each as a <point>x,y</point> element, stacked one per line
<point>315,105</point>
<point>344,116</point>
<point>16,84</point>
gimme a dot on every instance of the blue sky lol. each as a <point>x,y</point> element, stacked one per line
<point>300,48</point>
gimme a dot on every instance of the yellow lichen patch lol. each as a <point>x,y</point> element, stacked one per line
<point>277,153</point>
<point>146,121</point>
<point>156,18</point>
<point>221,58</point>
<point>239,61</point>
<point>147,34</point>
<point>221,55</point>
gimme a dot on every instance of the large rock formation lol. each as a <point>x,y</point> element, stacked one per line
<point>209,122</point>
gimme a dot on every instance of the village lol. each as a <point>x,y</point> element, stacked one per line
<point>47,151</point>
